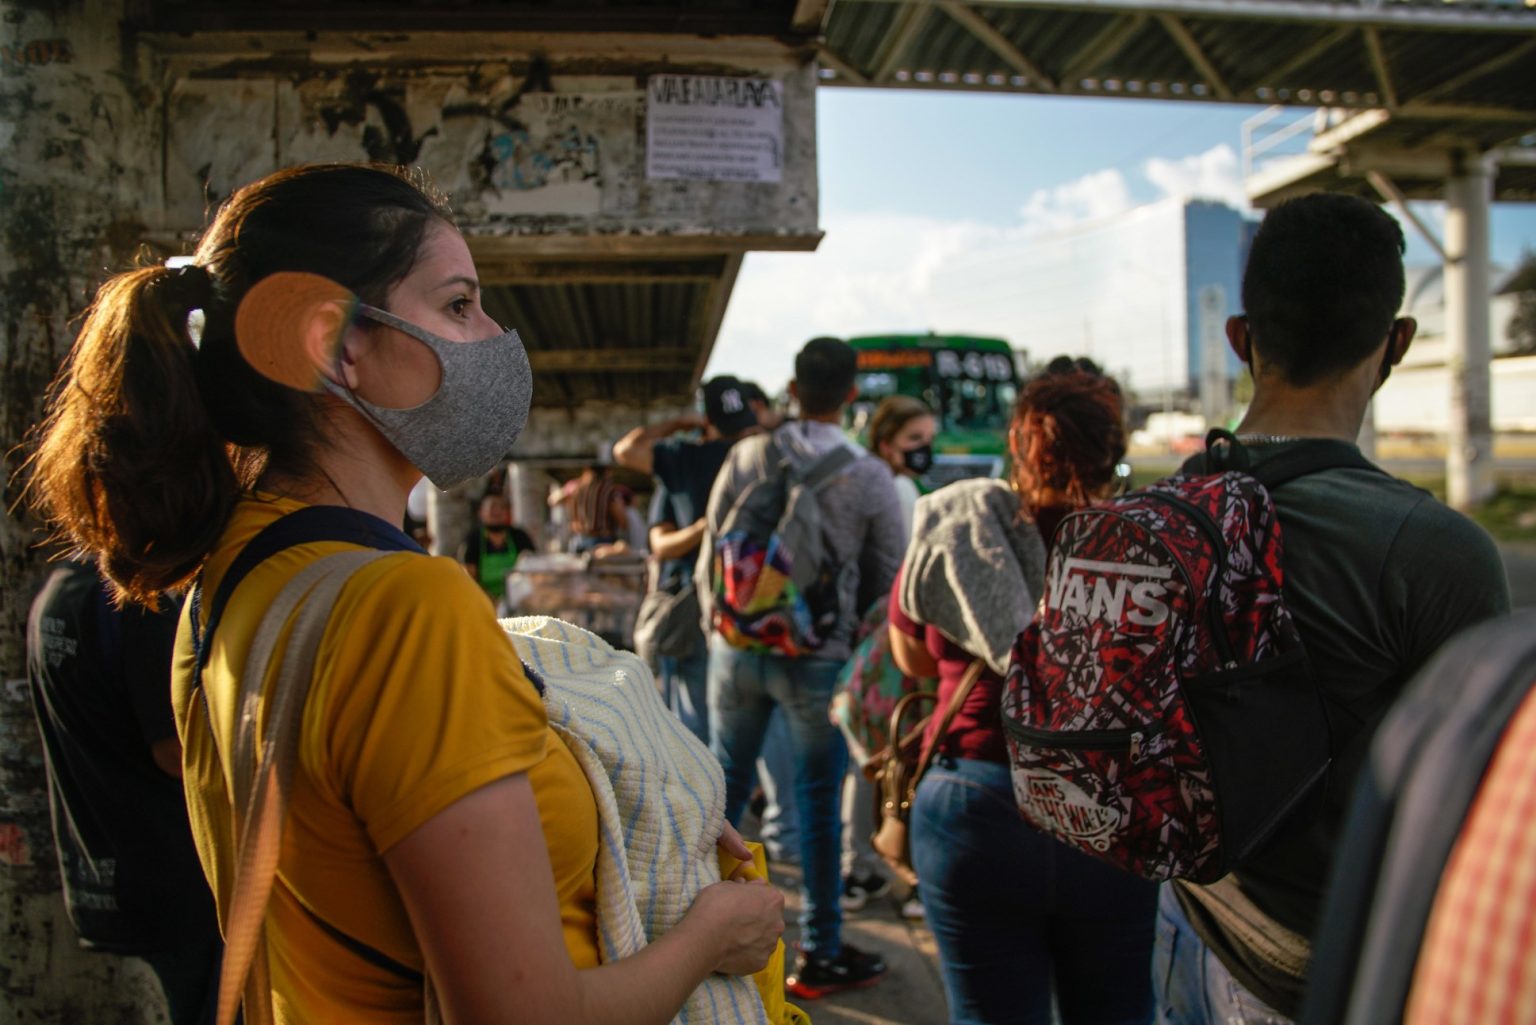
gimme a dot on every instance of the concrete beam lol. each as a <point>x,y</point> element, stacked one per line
<point>597,272</point>
<point>492,247</point>
<point>1469,444</point>
<point>629,360</point>
<point>269,47</point>
<point>1197,56</point>
<point>988,35</point>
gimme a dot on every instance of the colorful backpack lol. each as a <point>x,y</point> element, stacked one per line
<point>870,684</point>
<point>1160,710</point>
<point>776,585</point>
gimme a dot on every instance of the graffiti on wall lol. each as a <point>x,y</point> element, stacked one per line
<point>36,54</point>
<point>545,153</point>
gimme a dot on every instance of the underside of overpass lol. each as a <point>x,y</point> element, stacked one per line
<point>625,305</point>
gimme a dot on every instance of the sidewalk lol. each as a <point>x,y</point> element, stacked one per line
<point>909,994</point>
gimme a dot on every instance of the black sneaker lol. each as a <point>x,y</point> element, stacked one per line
<point>859,890</point>
<point>816,977</point>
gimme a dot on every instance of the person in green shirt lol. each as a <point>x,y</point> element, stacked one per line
<point>492,548</point>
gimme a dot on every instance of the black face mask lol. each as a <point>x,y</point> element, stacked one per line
<point>918,460</point>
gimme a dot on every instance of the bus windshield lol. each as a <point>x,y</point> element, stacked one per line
<point>969,389</point>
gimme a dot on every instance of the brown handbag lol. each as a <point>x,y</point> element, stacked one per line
<point>898,768</point>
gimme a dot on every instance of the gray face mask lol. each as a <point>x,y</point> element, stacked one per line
<point>478,411</point>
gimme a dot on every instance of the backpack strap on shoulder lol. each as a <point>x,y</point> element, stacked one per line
<point>1224,453</point>
<point>827,467</point>
<point>302,526</point>
<point>1311,457</point>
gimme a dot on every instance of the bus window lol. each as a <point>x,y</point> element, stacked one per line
<point>977,405</point>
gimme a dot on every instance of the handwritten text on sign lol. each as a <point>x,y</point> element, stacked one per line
<point>706,128</point>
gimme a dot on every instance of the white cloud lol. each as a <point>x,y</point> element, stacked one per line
<point>901,272</point>
<point>872,273</point>
<point>1089,198</point>
<point>1214,174</point>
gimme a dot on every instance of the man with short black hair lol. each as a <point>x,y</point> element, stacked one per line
<point>1377,576</point>
<point>861,528</point>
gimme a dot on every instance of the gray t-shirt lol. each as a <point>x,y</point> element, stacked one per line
<point>861,517</point>
<point>1378,575</point>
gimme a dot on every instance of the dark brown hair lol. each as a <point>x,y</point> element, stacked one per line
<point>1068,434</point>
<point>148,439</point>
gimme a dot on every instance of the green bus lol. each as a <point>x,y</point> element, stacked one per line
<point>970,383</point>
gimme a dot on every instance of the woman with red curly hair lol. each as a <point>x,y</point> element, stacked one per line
<point>1020,920</point>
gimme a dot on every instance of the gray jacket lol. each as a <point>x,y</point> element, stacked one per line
<point>860,513</point>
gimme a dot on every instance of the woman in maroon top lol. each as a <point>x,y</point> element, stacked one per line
<point>1018,918</point>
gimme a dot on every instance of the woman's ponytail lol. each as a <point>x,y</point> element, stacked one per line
<point>128,466</point>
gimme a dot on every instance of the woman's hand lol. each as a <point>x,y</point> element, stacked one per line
<point>743,921</point>
<point>731,843</point>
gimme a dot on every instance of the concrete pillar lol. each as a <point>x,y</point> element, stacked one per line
<point>528,489</point>
<point>79,177</point>
<point>451,515</point>
<point>1469,442</point>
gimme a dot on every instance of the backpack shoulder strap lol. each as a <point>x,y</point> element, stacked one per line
<point>1308,458</point>
<point>827,467</point>
<point>302,526</point>
<point>1224,452</point>
<point>262,767</point>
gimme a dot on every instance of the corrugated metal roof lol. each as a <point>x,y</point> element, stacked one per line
<point>1415,57</point>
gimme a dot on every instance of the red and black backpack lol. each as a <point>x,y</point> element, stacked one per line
<point>1160,710</point>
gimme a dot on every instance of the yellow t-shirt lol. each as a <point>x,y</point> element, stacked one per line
<point>418,699</point>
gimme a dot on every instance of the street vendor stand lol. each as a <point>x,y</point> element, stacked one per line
<point>601,595</point>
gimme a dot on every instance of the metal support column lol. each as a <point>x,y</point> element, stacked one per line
<point>1469,442</point>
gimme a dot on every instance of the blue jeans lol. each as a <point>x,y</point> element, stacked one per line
<point>1018,916</point>
<point>744,688</point>
<point>684,688</point>
<point>776,775</point>
<point>1193,986</point>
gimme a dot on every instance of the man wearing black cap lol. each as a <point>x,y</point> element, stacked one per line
<point>685,469</point>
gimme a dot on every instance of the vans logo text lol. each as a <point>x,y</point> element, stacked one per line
<point>1100,590</point>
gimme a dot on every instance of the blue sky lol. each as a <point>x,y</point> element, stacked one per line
<point>912,181</point>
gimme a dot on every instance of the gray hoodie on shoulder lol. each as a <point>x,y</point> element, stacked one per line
<point>861,519</point>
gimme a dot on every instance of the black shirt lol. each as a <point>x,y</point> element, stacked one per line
<point>686,470</point>
<point>1378,575</point>
<point>101,690</point>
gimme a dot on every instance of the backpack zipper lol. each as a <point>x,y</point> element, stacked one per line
<point>1213,607</point>
<point>1132,739</point>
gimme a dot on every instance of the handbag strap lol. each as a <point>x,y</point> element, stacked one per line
<point>967,683</point>
<point>262,767</point>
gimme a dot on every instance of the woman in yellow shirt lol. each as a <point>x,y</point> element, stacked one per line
<point>436,824</point>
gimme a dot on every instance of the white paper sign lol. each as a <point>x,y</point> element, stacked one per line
<point>707,128</point>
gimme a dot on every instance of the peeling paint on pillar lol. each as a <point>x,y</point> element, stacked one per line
<point>76,151</point>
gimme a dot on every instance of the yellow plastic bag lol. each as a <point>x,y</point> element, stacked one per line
<point>770,978</point>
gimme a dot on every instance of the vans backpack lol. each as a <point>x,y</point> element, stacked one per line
<point>776,584</point>
<point>1160,710</point>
